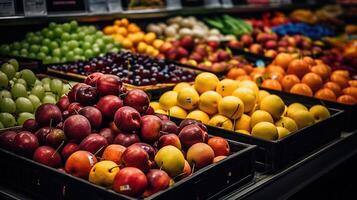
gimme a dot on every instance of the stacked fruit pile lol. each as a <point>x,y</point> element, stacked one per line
<point>130,36</point>
<point>21,93</point>
<point>203,55</point>
<point>132,68</point>
<point>239,106</point>
<point>305,76</point>
<point>113,139</point>
<point>59,43</point>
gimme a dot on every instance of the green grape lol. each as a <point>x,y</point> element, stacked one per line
<point>107,39</point>
<point>53,45</point>
<point>77,57</point>
<point>50,34</point>
<point>74,25</point>
<point>66,89</point>
<point>108,47</point>
<point>7,105</point>
<point>5,94</point>
<point>74,36</point>
<point>64,49</point>
<point>15,53</point>
<point>24,52</point>
<point>17,75</point>
<point>55,60</point>
<point>39,91</point>
<point>44,31</point>
<point>4,81</point>
<point>16,45</point>
<point>44,49</point>
<point>46,42</point>
<point>9,70</point>
<point>18,90</point>
<point>38,82</point>
<point>65,36</point>
<point>89,39</point>
<point>1,126</point>
<point>14,63</point>
<point>56,52</point>
<point>81,35</point>
<point>36,102</point>
<point>35,40</point>
<point>47,87</point>
<point>41,56</point>
<point>72,44</point>
<point>35,48</point>
<point>23,105</point>
<point>29,76</point>
<point>63,60</point>
<point>49,99</point>
<point>114,50</point>
<point>96,51</point>
<point>7,119</point>
<point>21,81</point>
<point>5,49</point>
<point>99,34</point>
<point>47,60</point>
<point>66,27</point>
<point>25,45</point>
<point>52,25</point>
<point>23,117</point>
<point>88,53</point>
<point>46,80</point>
<point>70,56</point>
<point>86,45</point>
<point>32,55</point>
<point>56,86</point>
<point>78,51</point>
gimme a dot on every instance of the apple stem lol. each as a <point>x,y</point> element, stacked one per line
<point>283,125</point>
<point>124,94</point>
<point>99,150</point>
<point>234,124</point>
<point>70,86</point>
<point>58,148</point>
<point>235,111</point>
<point>50,123</point>
<point>110,170</point>
<point>169,112</point>
<point>193,168</point>
<point>75,110</point>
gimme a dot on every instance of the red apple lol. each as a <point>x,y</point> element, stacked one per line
<point>162,116</point>
<point>73,91</point>
<point>157,180</point>
<point>108,105</point>
<point>94,143</point>
<point>92,78</point>
<point>150,111</point>
<point>93,115</point>
<point>219,145</point>
<point>25,143</point>
<point>113,153</point>
<point>55,138</point>
<point>150,128</point>
<point>108,85</point>
<point>76,127</point>
<point>130,181</point>
<point>48,114</point>
<point>87,95</point>
<point>68,149</point>
<point>148,148</point>
<point>187,122</point>
<point>114,128</point>
<point>191,135</point>
<point>213,44</point>
<point>63,103</point>
<point>126,139</point>
<point>30,125</point>
<point>168,126</point>
<point>137,99</point>
<point>271,44</point>
<point>7,139</point>
<point>200,155</point>
<point>256,49</point>
<point>48,156</point>
<point>127,119</point>
<point>235,44</point>
<point>182,53</point>
<point>135,156</point>
<point>169,139</point>
<point>108,134</point>
<point>223,55</point>
<point>80,163</point>
<point>74,108</point>
<point>187,42</point>
<point>187,171</point>
<point>246,39</point>
<point>197,57</point>
<point>42,133</point>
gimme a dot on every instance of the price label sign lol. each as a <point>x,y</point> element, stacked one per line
<point>65,5</point>
<point>35,7</point>
<point>7,7</point>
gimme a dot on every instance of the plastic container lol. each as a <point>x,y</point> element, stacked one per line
<point>42,182</point>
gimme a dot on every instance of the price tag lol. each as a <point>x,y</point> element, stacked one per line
<point>98,6</point>
<point>65,5</point>
<point>173,4</point>
<point>7,7</point>
<point>35,7</point>
<point>114,5</point>
<point>260,63</point>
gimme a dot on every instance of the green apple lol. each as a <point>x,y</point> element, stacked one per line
<point>8,69</point>
<point>14,63</point>
<point>49,99</point>
<point>18,90</point>
<point>28,76</point>
<point>21,81</point>
<point>23,117</point>
<point>7,105</point>
<point>4,80</point>
<point>7,119</point>
<point>171,160</point>
<point>23,105</point>
<point>39,91</point>
<point>5,93</point>
<point>36,102</point>
<point>1,126</point>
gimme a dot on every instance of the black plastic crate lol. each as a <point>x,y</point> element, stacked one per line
<point>272,156</point>
<point>42,182</point>
<point>26,63</point>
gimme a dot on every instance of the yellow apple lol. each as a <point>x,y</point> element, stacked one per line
<point>287,123</point>
<point>221,121</point>
<point>188,98</point>
<point>319,112</point>
<point>226,87</point>
<point>231,107</point>
<point>168,99</point>
<point>265,130</point>
<point>303,118</point>
<point>247,96</point>
<point>171,160</point>
<point>198,115</point>
<point>205,82</point>
<point>243,123</point>
<point>103,173</point>
<point>260,116</point>
<point>209,102</point>
<point>274,105</point>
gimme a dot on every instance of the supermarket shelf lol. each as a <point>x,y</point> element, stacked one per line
<point>293,179</point>
<point>144,14</point>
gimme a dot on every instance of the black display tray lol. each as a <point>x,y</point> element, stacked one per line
<point>42,182</point>
<point>26,63</point>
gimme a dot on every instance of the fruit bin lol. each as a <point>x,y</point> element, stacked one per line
<point>272,156</point>
<point>43,182</point>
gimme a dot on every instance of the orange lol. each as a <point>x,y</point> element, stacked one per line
<point>124,22</point>
<point>313,80</point>
<point>133,28</point>
<point>271,84</point>
<point>127,44</point>
<point>353,83</point>
<point>334,87</point>
<point>347,99</point>
<point>352,91</point>
<point>259,70</point>
<point>248,68</point>
<point>275,68</point>
<point>298,67</point>
<point>289,81</point>
<point>319,61</point>
<point>244,77</point>
<point>325,94</point>
<point>150,37</point>
<point>322,70</point>
<point>339,79</point>
<point>302,89</point>
<point>118,38</point>
<point>344,73</point>
<point>310,61</point>
<point>283,60</point>
<point>235,73</point>
<point>276,76</point>
<point>117,22</point>
<point>122,31</point>
<point>255,75</point>
<point>108,30</point>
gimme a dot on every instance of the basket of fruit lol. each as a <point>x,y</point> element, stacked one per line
<point>285,128</point>
<point>118,149</point>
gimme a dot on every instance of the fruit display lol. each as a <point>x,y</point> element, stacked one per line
<point>203,55</point>
<point>113,139</point>
<point>238,106</point>
<point>304,76</point>
<point>22,93</point>
<point>314,32</point>
<point>230,25</point>
<point>131,37</point>
<point>269,20</point>
<point>60,43</point>
<point>147,4</point>
<point>131,68</point>
<point>178,27</point>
